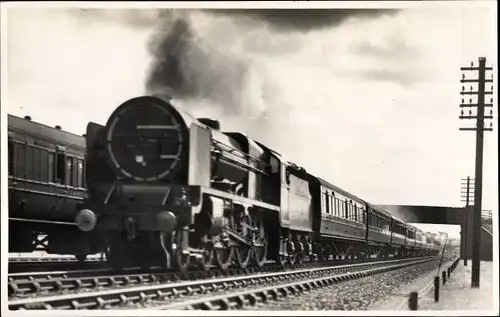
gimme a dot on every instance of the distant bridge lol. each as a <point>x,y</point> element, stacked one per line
<point>427,214</point>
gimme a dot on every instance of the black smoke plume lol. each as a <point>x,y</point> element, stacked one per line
<point>186,66</point>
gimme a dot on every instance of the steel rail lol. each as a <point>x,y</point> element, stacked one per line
<point>36,266</point>
<point>140,294</point>
<point>65,281</point>
<point>48,259</point>
<point>41,283</point>
<point>36,282</point>
<point>240,299</point>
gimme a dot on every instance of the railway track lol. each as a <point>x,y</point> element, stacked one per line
<point>30,259</point>
<point>44,283</point>
<point>34,264</point>
<point>168,294</point>
<point>238,298</point>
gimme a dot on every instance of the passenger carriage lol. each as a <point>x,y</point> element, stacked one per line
<point>379,230</point>
<point>341,221</point>
<point>46,184</point>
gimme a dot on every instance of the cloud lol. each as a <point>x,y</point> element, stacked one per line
<point>134,18</point>
<point>402,77</point>
<point>397,49</point>
<point>305,19</point>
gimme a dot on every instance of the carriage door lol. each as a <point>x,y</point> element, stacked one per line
<point>285,196</point>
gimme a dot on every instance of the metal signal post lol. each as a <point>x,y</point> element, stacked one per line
<point>467,197</point>
<point>480,128</point>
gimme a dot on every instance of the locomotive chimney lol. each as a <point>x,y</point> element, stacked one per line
<point>27,118</point>
<point>58,127</point>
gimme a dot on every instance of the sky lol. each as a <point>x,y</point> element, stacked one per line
<point>366,100</point>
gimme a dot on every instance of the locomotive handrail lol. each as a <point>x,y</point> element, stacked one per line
<point>110,192</point>
<point>243,155</point>
<point>227,159</point>
<point>232,149</point>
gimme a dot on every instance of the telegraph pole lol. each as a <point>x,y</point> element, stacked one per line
<point>467,197</point>
<point>480,128</point>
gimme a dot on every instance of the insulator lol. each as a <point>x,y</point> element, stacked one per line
<point>471,64</point>
<point>470,100</point>
<point>462,100</point>
<point>491,100</point>
<point>470,112</point>
<point>463,88</point>
<point>491,88</point>
<point>462,112</point>
<point>491,124</point>
<point>491,112</point>
<point>470,88</point>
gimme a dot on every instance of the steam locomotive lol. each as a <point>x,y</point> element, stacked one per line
<point>167,188</point>
<point>158,186</point>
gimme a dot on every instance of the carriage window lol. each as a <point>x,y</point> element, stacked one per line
<point>52,167</point>
<point>80,174</point>
<point>60,168</point>
<point>332,205</point>
<point>324,197</point>
<point>327,205</point>
<point>385,225</point>
<point>11,157</point>
<point>69,171</point>
<point>84,179</point>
